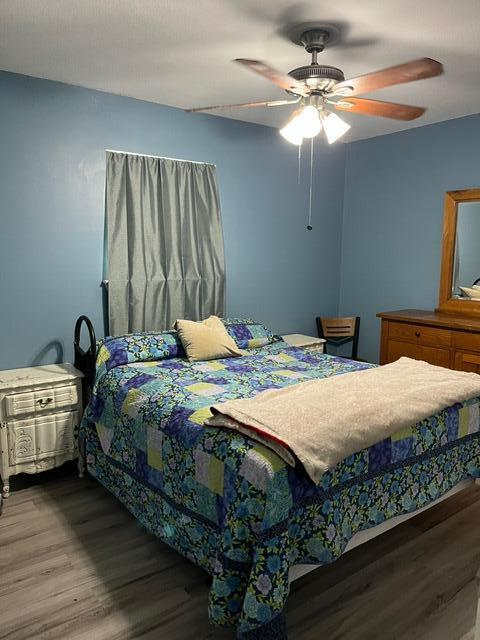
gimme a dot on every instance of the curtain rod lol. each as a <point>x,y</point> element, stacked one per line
<point>146,155</point>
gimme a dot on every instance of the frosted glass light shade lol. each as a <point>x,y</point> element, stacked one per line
<point>333,126</point>
<point>291,130</point>
<point>291,134</point>
<point>310,122</point>
<point>304,123</point>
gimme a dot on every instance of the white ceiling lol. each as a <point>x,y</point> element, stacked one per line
<point>178,52</point>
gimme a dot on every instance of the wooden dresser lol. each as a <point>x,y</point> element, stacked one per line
<point>443,339</point>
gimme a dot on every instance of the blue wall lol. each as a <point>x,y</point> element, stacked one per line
<point>389,191</point>
<point>52,169</point>
<point>393,216</point>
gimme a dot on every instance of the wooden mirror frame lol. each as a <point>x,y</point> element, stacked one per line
<point>446,303</point>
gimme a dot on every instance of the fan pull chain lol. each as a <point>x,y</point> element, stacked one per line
<point>309,223</point>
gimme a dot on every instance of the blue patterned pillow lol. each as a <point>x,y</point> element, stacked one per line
<point>249,334</point>
<point>138,347</point>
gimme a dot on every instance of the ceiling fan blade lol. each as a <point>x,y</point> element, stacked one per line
<point>378,108</point>
<point>245,105</point>
<point>282,80</point>
<point>408,72</point>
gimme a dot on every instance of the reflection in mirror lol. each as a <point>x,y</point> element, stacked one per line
<point>467,252</point>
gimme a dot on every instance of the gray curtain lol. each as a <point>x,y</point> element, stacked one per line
<point>164,242</point>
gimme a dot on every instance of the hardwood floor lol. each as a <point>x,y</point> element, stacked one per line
<point>75,565</point>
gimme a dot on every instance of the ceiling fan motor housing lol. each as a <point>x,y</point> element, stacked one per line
<point>318,77</point>
<point>315,39</point>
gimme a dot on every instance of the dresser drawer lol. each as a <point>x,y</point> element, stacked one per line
<point>41,400</point>
<point>465,340</point>
<point>420,334</point>
<point>397,349</point>
<point>41,436</point>
<point>467,362</point>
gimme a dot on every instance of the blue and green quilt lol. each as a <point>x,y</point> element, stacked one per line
<point>231,505</point>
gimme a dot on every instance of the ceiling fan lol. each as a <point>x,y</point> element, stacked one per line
<point>318,88</point>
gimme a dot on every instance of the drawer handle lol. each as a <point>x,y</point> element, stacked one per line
<point>43,402</point>
<point>417,334</point>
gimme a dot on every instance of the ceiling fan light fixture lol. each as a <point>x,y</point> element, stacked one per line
<point>333,126</point>
<point>304,123</point>
<point>310,123</point>
<point>291,131</point>
<point>291,135</point>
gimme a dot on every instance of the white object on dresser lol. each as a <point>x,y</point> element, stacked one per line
<point>310,342</point>
<point>40,411</point>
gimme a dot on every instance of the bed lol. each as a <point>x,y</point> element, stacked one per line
<point>230,504</point>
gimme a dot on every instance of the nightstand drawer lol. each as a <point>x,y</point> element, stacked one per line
<point>41,436</point>
<point>41,400</point>
<point>317,346</point>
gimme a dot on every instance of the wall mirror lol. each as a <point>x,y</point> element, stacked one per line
<point>460,268</point>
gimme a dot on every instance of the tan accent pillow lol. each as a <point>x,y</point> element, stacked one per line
<point>206,340</point>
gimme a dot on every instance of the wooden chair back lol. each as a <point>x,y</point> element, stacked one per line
<point>339,331</point>
<point>338,327</point>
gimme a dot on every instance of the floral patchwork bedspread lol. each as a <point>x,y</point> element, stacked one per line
<point>230,504</point>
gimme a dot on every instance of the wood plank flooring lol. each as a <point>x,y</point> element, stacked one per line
<point>74,565</point>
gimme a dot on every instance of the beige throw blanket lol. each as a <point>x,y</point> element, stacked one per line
<point>324,421</point>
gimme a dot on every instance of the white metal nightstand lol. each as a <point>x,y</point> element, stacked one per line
<point>309,342</point>
<point>40,410</point>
